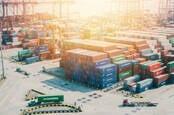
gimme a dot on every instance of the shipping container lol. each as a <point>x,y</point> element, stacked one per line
<point>118,58</point>
<point>125,40</point>
<point>133,51</point>
<point>144,85</point>
<point>136,55</point>
<point>135,62</point>
<point>132,87</point>
<point>126,53</point>
<point>171,51</point>
<point>101,62</point>
<point>158,71</point>
<point>93,45</point>
<point>40,48</point>
<point>142,47</point>
<point>141,60</point>
<point>170,65</point>
<point>122,76</point>
<point>130,80</point>
<point>90,67</point>
<point>154,66</point>
<point>146,51</point>
<point>130,57</point>
<point>151,56</point>
<point>169,57</point>
<point>113,53</point>
<point>123,63</point>
<point>31,59</point>
<point>171,78</point>
<point>109,68</point>
<point>22,55</point>
<point>160,80</point>
<point>121,70</point>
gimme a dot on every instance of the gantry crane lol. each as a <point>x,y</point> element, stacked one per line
<point>166,11</point>
<point>15,4</point>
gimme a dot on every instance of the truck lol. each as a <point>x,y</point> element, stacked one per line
<point>45,99</point>
<point>138,104</point>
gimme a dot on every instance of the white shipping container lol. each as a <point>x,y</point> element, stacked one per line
<point>16,43</point>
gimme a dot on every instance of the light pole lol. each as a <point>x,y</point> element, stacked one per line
<point>2,60</point>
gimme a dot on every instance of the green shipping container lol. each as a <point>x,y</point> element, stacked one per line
<point>24,54</point>
<point>50,98</point>
<point>170,65</point>
<point>118,58</point>
<point>124,74</point>
<point>171,40</point>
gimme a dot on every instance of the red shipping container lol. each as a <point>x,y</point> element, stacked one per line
<point>164,52</point>
<point>133,51</point>
<point>171,70</point>
<point>130,57</point>
<point>126,53</point>
<point>161,78</point>
<point>157,72</point>
<point>142,46</point>
<point>121,70</point>
<point>136,67</point>
<point>159,50</point>
<point>136,71</point>
<point>157,46</point>
<point>136,55</point>
<point>154,66</point>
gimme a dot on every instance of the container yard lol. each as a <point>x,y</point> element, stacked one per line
<point>82,57</point>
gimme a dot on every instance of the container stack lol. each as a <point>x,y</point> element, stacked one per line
<point>130,82</point>
<point>139,47</point>
<point>6,40</point>
<point>170,66</point>
<point>160,80</point>
<point>90,67</point>
<point>124,69</point>
<point>23,54</point>
<point>135,67</point>
<point>41,50</point>
<point>93,45</point>
<point>171,78</point>
<point>149,67</point>
<point>15,40</point>
<point>144,85</point>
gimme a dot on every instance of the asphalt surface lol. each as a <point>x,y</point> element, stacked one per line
<point>16,86</point>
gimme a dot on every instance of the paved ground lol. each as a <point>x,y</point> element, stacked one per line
<point>14,88</point>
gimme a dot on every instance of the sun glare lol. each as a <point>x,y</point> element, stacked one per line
<point>91,7</point>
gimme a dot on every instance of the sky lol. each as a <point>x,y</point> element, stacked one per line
<point>84,8</point>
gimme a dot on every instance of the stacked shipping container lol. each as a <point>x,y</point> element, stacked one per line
<point>90,67</point>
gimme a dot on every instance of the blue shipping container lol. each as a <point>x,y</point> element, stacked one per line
<point>160,84</point>
<point>144,85</point>
<point>135,62</point>
<point>124,63</point>
<point>32,59</point>
<point>104,85</point>
<point>171,78</point>
<point>146,51</point>
<point>152,56</point>
<point>106,68</point>
<point>130,80</point>
<point>102,62</point>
